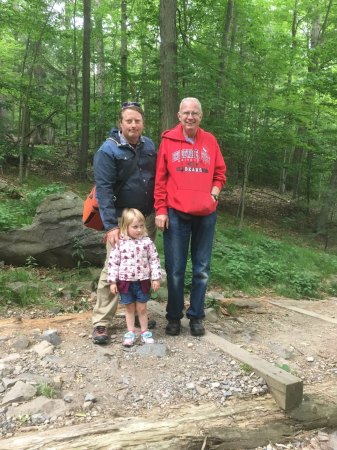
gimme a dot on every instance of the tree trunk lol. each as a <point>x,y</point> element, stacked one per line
<point>99,77</point>
<point>168,63</point>
<point>224,53</point>
<point>124,53</point>
<point>324,222</point>
<point>83,162</point>
<point>75,71</point>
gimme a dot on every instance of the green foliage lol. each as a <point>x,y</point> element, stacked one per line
<point>23,419</point>
<point>20,287</point>
<point>31,262</point>
<point>212,303</point>
<point>34,198</point>
<point>301,285</point>
<point>231,309</point>
<point>18,212</point>
<point>246,368</point>
<point>47,390</point>
<point>245,260</point>
<point>332,288</point>
<point>48,288</point>
<point>78,252</point>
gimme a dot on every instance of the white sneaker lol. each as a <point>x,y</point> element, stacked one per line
<point>129,339</point>
<point>147,338</point>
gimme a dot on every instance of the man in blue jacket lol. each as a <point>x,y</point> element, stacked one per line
<point>111,162</point>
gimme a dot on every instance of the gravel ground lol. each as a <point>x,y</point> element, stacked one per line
<point>95,382</point>
<point>123,381</point>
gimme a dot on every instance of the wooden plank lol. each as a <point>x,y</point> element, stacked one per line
<point>239,424</point>
<point>287,389</point>
<point>304,311</point>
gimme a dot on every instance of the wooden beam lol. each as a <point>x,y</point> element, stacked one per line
<point>304,311</point>
<point>287,389</point>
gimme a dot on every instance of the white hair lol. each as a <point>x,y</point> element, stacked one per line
<point>190,99</point>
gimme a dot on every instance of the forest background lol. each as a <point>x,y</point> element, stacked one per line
<point>264,71</point>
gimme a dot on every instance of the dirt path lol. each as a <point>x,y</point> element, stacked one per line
<point>189,373</point>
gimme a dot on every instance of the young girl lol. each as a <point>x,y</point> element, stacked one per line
<point>134,266</point>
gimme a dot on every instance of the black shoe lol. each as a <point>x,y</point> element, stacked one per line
<point>100,335</point>
<point>151,323</point>
<point>173,327</point>
<point>197,327</point>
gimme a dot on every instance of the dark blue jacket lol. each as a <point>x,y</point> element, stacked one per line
<point>110,162</point>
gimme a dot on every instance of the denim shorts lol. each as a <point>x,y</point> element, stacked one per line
<point>135,294</point>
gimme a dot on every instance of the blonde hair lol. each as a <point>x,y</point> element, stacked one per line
<point>128,216</point>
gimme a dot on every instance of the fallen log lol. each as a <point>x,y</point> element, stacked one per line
<point>239,424</point>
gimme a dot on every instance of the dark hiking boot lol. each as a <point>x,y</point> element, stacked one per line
<point>197,327</point>
<point>173,327</point>
<point>100,335</point>
<point>151,323</point>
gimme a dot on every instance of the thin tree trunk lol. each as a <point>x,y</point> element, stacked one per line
<point>124,53</point>
<point>100,77</point>
<point>76,71</point>
<point>168,63</point>
<point>328,205</point>
<point>287,155</point>
<point>83,162</point>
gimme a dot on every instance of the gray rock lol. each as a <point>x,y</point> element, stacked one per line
<point>68,398</point>
<point>39,405</point>
<point>21,343</point>
<point>50,239</point>
<point>90,398</point>
<point>159,350</point>
<point>214,295</point>
<point>20,392</point>
<point>10,358</point>
<point>211,315</point>
<point>201,390</point>
<point>38,418</point>
<point>52,337</point>
<point>244,303</point>
<point>43,348</point>
<point>9,382</point>
<point>5,369</point>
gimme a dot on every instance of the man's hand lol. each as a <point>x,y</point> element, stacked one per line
<point>162,221</point>
<point>113,288</point>
<point>113,236</point>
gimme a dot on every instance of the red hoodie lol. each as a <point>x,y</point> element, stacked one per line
<point>186,172</point>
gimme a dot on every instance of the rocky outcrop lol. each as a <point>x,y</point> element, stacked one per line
<point>56,237</point>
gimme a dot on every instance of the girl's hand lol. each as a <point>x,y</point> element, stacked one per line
<point>155,285</point>
<point>113,288</point>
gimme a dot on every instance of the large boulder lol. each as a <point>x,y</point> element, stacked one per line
<point>53,237</point>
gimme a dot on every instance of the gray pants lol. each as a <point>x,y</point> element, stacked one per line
<point>107,303</point>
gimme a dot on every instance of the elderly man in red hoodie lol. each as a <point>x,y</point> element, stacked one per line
<point>189,177</point>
